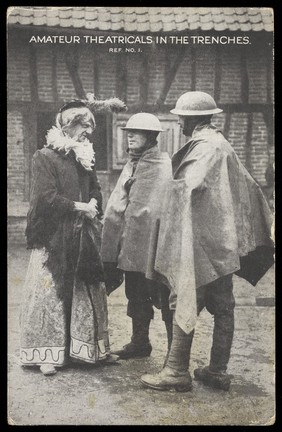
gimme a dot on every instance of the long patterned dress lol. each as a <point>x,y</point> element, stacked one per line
<point>63,320</point>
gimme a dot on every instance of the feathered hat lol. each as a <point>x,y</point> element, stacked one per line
<point>95,105</point>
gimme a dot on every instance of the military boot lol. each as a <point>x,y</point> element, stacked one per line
<point>168,379</point>
<point>132,350</point>
<point>218,380</point>
<point>174,375</point>
<point>140,345</point>
<point>215,375</point>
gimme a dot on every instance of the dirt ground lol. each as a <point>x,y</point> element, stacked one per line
<point>114,395</point>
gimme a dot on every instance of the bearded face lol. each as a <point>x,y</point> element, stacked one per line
<point>188,123</point>
<point>78,123</point>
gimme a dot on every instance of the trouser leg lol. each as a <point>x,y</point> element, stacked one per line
<point>221,303</point>
<point>140,330</point>
<point>167,314</point>
<point>140,309</point>
<point>140,304</point>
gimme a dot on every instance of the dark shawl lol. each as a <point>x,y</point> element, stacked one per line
<point>58,181</point>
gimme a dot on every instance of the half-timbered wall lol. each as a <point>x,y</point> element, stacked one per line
<point>42,77</point>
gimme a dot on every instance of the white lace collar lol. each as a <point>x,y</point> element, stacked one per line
<point>83,151</point>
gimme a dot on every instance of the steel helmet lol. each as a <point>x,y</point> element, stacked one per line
<point>143,121</point>
<point>195,103</point>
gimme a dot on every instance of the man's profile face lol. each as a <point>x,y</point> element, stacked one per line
<point>187,124</point>
<point>184,125</point>
<point>79,123</point>
<point>81,131</point>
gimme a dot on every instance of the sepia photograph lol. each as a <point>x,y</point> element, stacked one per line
<point>141,210</point>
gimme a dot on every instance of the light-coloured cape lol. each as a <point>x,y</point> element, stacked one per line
<point>217,222</point>
<point>130,219</point>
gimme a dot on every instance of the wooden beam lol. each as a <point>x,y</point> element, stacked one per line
<point>269,75</point>
<point>244,76</point>
<point>227,123</point>
<point>171,73</point>
<point>167,65</point>
<point>247,108</point>
<point>72,63</point>
<point>217,72</point>
<point>33,77</point>
<point>109,133</point>
<point>143,81</point>
<point>96,73</point>
<point>268,116</point>
<point>121,77</point>
<point>269,172</point>
<point>193,69</point>
<point>226,107</point>
<point>23,106</point>
<point>248,162</point>
<point>54,76</point>
<point>167,71</point>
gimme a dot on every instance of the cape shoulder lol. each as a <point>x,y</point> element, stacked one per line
<point>203,152</point>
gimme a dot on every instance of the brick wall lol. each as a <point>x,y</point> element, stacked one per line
<point>183,79</point>
<point>205,69</point>
<point>230,85</point>
<point>107,82</point>
<point>259,149</point>
<point>133,64</point>
<point>156,74</point>
<point>44,71</point>
<point>238,133</point>
<point>257,71</point>
<point>219,121</point>
<point>64,83</point>
<point>86,69</point>
<point>17,73</point>
<point>16,230</point>
<point>16,157</point>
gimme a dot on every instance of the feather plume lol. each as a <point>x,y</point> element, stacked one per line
<point>104,106</point>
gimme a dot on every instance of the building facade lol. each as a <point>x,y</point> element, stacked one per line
<point>42,75</point>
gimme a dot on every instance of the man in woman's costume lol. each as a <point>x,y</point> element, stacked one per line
<point>64,311</point>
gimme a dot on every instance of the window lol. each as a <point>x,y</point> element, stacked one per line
<point>169,141</point>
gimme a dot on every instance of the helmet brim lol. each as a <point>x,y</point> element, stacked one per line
<point>195,112</point>
<point>143,128</point>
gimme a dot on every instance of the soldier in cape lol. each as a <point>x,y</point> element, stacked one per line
<point>217,223</point>
<point>129,232</point>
